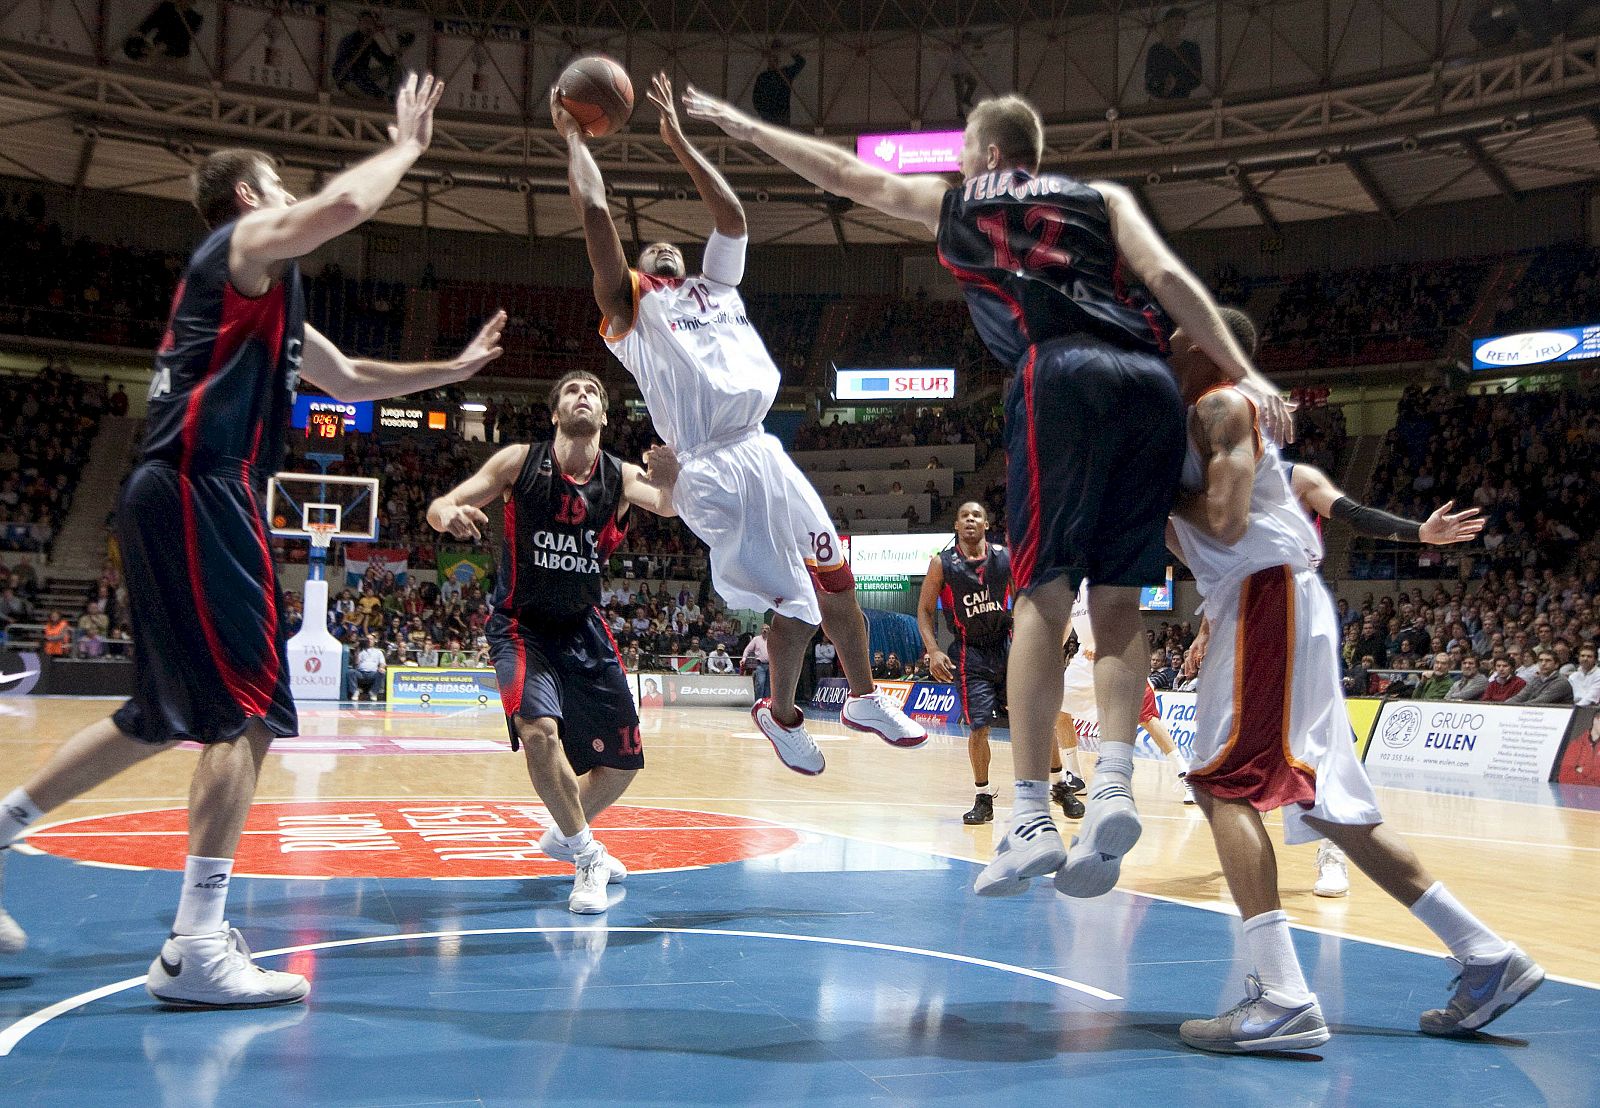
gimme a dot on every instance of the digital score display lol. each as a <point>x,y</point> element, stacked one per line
<point>325,428</point>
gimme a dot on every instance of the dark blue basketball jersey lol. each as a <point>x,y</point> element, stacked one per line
<point>227,368</point>
<point>1035,258</point>
<point>558,533</point>
<point>976,593</point>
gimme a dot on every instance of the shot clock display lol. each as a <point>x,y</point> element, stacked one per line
<point>325,428</point>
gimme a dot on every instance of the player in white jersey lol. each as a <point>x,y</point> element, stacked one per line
<point>708,381</point>
<point>1078,703</point>
<point>1271,730</point>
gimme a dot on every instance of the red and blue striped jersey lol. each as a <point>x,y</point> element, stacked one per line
<point>227,369</point>
<point>1036,260</point>
<point>559,532</point>
<point>977,594</point>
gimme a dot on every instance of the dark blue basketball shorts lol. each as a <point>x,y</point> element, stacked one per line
<point>570,673</point>
<point>209,650</point>
<point>1094,447</point>
<point>981,676</point>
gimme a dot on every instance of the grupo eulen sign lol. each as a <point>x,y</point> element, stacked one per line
<point>894,384</point>
<point>1559,344</point>
<point>912,151</point>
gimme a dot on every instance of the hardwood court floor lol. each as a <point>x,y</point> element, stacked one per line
<point>781,940</point>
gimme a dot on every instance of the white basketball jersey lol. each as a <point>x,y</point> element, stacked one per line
<point>1080,619</point>
<point>1278,532</point>
<point>704,372</point>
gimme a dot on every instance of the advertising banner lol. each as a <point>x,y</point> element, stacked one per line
<point>436,685</point>
<point>1580,757</point>
<point>1559,344</point>
<point>1496,741</point>
<point>894,384</point>
<point>912,151</point>
<point>20,669</point>
<point>830,695</point>
<point>928,703</point>
<point>357,413</point>
<point>894,555</point>
<point>696,690</point>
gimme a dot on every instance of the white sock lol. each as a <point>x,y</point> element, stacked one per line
<point>985,787</point>
<point>204,899</point>
<point>1457,928</point>
<point>17,811</point>
<point>1180,761</point>
<point>1271,949</point>
<point>1113,772</point>
<point>1069,761</point>
<point>577,842</point>
<point>1030,797</point>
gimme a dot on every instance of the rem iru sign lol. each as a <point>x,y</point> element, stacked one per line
<point>1558,344</point>
<point>895,384</point>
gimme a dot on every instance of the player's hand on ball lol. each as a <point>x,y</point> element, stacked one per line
<point>566,126</point>
<point>940,666</point>
<point>463,521</point>
<point>1442,528</point>
<point>661,466</point>
<point>660,95</point>
<point>483,349</point>
<point>701,105</point>
<point>413,111</point>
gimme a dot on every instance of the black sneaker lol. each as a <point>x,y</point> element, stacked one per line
<point>1073,783</point>
<point>982,810</point>
<point>1063,794</point>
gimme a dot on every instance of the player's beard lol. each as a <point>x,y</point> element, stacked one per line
<point>579,425</point>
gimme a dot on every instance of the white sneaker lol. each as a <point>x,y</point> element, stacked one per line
<point>1031,848</point>
<point>1333,875</point>
<point>1109,830</point>
<point>616,872</point>
<point>215,971</point>
<point>589,886</point>
<point>877,712</point>
<point>1185,788</point>
<point>13,939</point>
<point>794,747</point>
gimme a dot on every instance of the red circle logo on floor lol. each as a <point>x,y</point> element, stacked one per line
<point>416,838</point>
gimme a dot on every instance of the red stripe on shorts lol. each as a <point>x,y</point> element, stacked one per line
<point>1026,555</point>
<point>1257,763</point>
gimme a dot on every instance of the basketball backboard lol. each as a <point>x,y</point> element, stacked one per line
<point>300,504</point>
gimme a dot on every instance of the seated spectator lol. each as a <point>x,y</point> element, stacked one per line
<point>1547,686</point>
<point>57,635</point>
<point>13,608</point>
<point>1585,680</point>
<point>93,627</point>
<point>719,660</point>
<point>368,671</point>
<point>892,667</point>
<point>1471,683</point>
<point>877,664</point>
<point>1504,684</point>
<point>1438,683</point>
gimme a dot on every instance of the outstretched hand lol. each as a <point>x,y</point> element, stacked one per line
<point>1442,528</point>
<point>1277,414</point>
<point>565,123</point>
<point>660,95</point>
<point>462,521</point>
<point>661,466</point>
<point>484,348</point>
<point>413,111</point>
<point>702,105</point>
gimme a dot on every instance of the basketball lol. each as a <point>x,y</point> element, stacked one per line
<point>597,92</point>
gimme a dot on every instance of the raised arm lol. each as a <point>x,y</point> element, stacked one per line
<point>460,511</point>
<point>727,214</point>
<point>927,620</point>
<point>1317,492</point>
<point>1227,423</point>
<point>1183,297</point>
<point>269,235</point>
<point>917,199</point>
<point>350,379</point>
<point>613,282</point>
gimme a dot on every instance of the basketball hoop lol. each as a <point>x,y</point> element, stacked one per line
<point>321,534</point>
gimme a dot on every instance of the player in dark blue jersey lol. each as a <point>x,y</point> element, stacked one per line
<point>1069,284</point>
<point>561,679</point>
<point>971,579</point>
<point>210,662</point>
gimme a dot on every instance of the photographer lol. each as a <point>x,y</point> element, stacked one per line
<point>361,65</point>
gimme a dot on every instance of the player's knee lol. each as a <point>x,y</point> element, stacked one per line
<point>538,735</point>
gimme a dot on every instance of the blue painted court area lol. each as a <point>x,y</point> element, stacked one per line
<point>839,972</point>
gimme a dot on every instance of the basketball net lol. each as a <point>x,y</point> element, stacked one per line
<point>321,534</point>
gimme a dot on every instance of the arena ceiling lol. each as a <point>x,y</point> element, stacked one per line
<point>1503,125</point>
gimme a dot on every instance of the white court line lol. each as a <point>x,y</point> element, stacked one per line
<point>308,832</point>
<point>22,1028</point>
